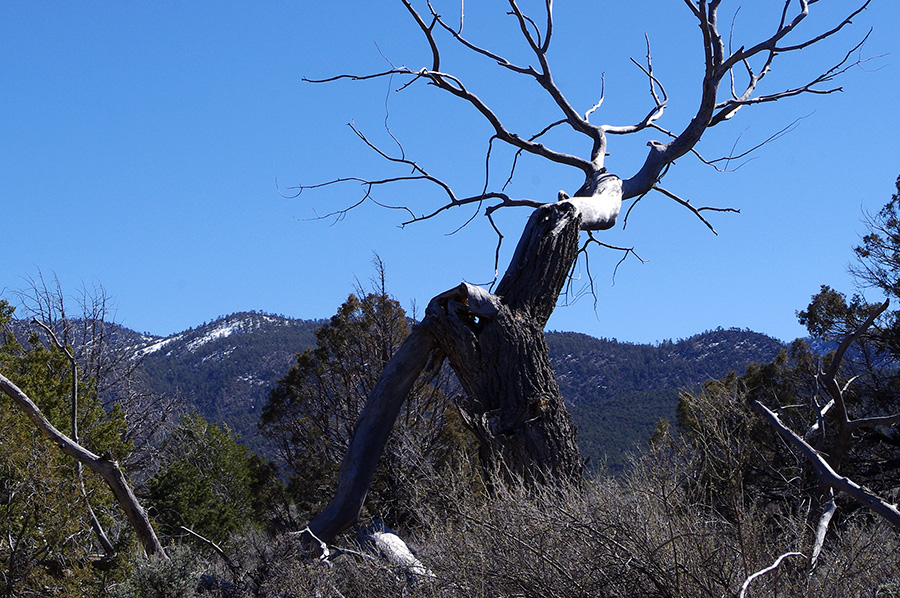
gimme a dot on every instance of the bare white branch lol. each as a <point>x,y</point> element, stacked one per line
<point>710,111</point>
<point>720,60</point>
<point>659,103</point>
<point>827,475</point>
<point>107,469</point>
<point>822,528</point>
<point>765,570</point>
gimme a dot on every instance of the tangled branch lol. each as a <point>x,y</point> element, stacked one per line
<point>721,63</point>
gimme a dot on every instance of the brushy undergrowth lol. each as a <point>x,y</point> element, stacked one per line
<point>643,535</point>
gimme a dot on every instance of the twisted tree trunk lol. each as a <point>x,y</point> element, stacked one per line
<point>495,345</point>
<point>494,342</point>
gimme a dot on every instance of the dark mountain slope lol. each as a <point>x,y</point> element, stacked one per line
<point>226,368</point>
<point>618,391</point>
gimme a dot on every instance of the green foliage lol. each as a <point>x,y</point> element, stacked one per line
<point>210,483</point>
<point>312,412</point>
<point>879,254</point>
<point>47,540</point>
<point>617,392</point>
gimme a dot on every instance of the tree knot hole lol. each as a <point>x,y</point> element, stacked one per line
<point>538,405</point>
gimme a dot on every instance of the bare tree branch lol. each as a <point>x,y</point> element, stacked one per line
<point>765,570</point>
<point>218,550</point>
<point>453,85</point>
<point>874,422</point>
<point>659,103</point>
<point>457,35</point>
<point>827,475</point>
<point>518,153</point>
<point>107,469</point>
<point>822,528</point>
<point>728,108</point>
<point>851,338</point>
<point>585,255</point>
<point>626,251</point>
<point>95,523</point>
<point>709,111</point>
<point>693,209</point>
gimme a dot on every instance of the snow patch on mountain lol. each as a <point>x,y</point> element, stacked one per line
<point>156,346</point>
<point>223,330</point>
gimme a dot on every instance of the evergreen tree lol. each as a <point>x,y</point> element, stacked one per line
<point>47,540</point>
<point>873,457</point>
<point>311,414</point>
<point>207,484</point>
<point>842,399</point>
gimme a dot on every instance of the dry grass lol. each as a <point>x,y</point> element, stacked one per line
<point>640,536</point>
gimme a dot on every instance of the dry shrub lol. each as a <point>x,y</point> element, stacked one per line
<point>649,533</point>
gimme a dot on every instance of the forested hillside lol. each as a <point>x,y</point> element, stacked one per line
<point>616,391</point>
<point>225,369</point>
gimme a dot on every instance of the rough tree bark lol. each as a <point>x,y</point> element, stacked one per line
<point>495,345</point>
<point>494,341</point>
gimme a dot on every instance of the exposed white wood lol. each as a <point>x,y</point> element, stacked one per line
<point>600,210</point>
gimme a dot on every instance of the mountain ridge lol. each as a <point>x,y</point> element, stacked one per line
<point>616,391</point>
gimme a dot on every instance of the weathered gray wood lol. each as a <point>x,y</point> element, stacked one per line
<point>494,342</point>
<point>512,401</point>
<point>495,345</point>
<point>827,475</point>
<point>372,431</point>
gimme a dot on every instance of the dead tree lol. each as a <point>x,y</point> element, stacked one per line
<point>827,466</point>
<point>86,342</point>
<point>494,340</point>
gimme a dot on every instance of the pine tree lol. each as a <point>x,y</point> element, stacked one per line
<point>311,414</point>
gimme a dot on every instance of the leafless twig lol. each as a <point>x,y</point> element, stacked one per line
<point>693,209</point>
<point>765,570</point>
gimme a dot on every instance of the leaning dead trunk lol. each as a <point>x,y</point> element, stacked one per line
<point>372,431</point>
<point>495,345</point>
<point>495,342</point>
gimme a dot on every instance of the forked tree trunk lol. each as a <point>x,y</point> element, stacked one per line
<point>495,345</point>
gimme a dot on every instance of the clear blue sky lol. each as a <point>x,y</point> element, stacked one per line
<point>142,142</point>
